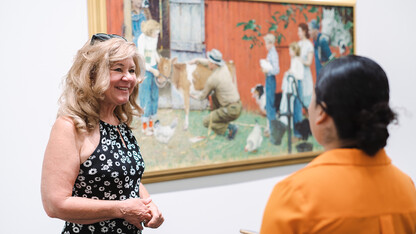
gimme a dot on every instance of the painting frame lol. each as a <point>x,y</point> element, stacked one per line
<point>97,23</point>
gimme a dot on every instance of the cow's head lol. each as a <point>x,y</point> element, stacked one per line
<point>165,67</point>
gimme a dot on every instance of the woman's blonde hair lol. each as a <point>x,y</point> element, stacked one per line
<point>149,27</point>
<point>295,47</point>
<point>89,78</point>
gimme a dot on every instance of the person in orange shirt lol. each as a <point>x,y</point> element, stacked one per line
<point>352,187</point>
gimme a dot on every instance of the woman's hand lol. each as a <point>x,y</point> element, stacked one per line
<point>157,217</point>
<point>155,72</point>
<point>137,211</point>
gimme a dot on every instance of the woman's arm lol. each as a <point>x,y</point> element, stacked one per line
<point>60,169</point>
<point>157,217</point>
<point>309,58</point>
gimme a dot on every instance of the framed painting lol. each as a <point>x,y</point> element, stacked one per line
<point>273,128</point>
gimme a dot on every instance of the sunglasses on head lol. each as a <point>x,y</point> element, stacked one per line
<point>104,37</point>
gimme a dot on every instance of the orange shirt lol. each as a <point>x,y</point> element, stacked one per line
<point>343,191</point>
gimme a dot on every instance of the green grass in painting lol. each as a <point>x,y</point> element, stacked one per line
<point>181,152</point>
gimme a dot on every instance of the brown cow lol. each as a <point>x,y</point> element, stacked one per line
<point>187,78</point>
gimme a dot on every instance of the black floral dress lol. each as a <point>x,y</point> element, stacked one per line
<point>112,172</point>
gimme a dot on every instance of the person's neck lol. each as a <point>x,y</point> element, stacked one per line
<point>337,143</point>
<point>107,115</point>
<point>331,146</point>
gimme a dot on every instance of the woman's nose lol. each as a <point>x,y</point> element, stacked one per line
<point>128,76</point>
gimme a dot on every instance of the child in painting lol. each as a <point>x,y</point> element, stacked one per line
<point>296,66</point>
<point>294,74</point>
<point>270,69</point>
<point>148,90</point>
<point>139,13</point>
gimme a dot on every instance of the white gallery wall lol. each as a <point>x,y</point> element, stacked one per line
<point>37,43</point>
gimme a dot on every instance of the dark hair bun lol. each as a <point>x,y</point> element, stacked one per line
<point>356,91</point>
<point>373,133</point>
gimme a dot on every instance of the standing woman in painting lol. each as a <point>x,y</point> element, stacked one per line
<point>149,91</point>
<point>305,86</point>
<point>139,13</point>
<point>92,169</point>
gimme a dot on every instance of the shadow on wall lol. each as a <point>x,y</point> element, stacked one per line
<point>222,179</point>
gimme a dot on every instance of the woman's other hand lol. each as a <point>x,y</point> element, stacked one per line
<point>137,211</point>
<point>157,217</point>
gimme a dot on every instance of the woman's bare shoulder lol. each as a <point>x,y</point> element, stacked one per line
<point>65,127</point>
<point>64,124</point>
<point>84,142</point>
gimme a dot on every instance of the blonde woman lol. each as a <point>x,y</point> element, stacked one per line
<point>93,166</point>
<point>149,92</point>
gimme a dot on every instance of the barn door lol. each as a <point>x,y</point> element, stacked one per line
<point>187,29</point>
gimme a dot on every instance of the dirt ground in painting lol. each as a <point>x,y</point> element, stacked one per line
<point>181,152</point>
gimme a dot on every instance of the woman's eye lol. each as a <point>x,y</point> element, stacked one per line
<point>132,71</point>
<point>117,70</point>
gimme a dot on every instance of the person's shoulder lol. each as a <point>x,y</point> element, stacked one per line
<point>65,125</point>
<point>290,188</point>
<point>302,177</point>
<point>305,43</point>
<point>224,70</point>
<point>400,175</point>
<point>323,40</point>
<point>297,60</point>
<point>142,37</point>
<point>273,50</point>
<point>65,121</point>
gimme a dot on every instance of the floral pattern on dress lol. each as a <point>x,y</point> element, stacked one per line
<point>112,172</point>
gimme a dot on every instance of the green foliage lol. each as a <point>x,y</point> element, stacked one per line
<point>306,17</point>
<point>279,38</point>
<point>348,25</point>
<point>252,31</point>
<point>313,10</point>
<point>273,27</point>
